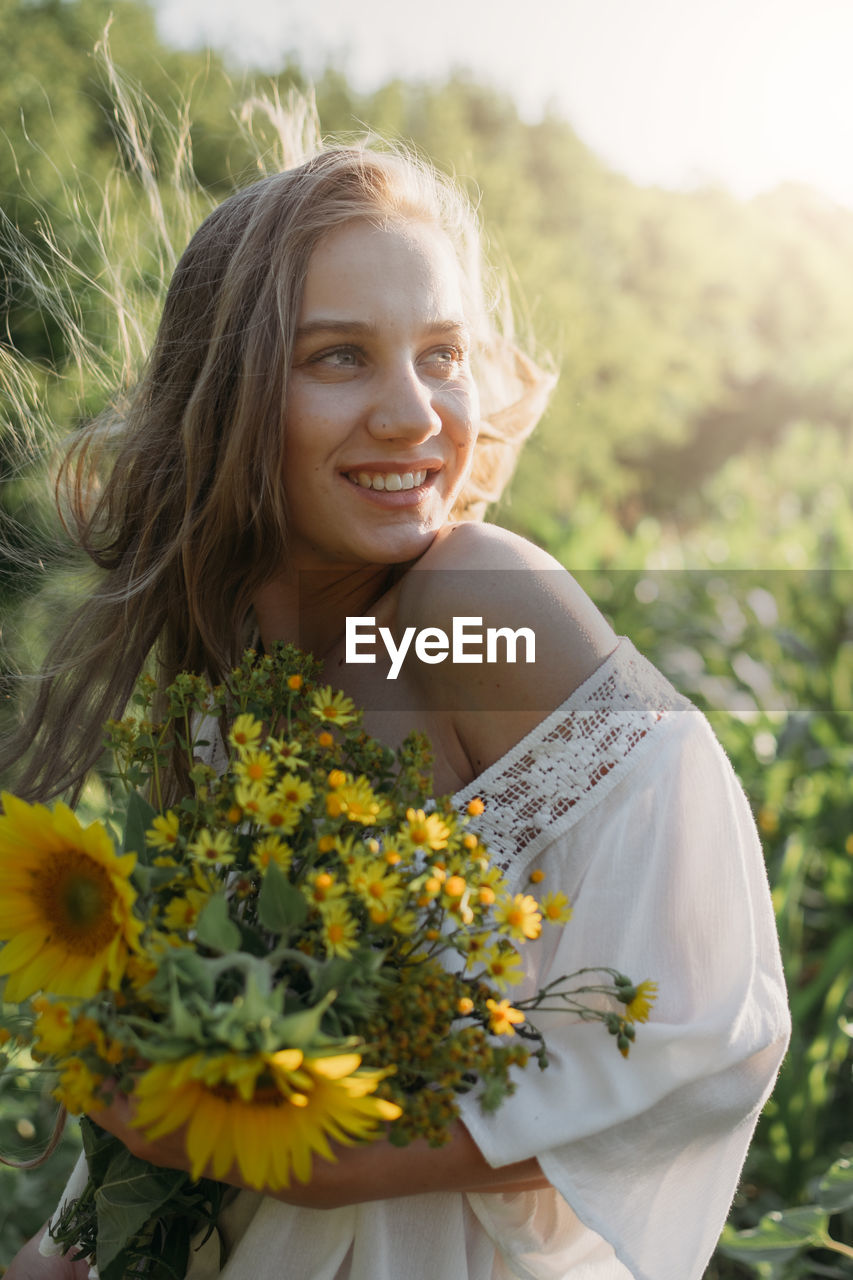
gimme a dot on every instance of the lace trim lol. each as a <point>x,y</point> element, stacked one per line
<point>567,764</point>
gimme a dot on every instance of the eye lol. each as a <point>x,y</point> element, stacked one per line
<point>338,358</point>
<point>447,360</point>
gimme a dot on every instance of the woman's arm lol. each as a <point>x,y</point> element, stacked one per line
<point>372,1171</point>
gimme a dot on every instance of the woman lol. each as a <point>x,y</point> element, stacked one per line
<point>308,445</point>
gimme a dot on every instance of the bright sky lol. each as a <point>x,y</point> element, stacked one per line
<point>678,92</point>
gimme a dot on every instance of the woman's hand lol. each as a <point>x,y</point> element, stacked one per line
<point>169,1152</point>
<point>28,1264</point>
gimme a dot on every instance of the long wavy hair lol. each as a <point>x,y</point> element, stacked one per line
<point>177,499</point>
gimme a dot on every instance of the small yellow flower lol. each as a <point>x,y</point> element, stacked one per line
<point>555,908</point>
<point>54,1026</point>
<point>475,807</point>
<point>287,753</point>
<point>427,830</point>
<point>502,1016</point>
<point>255,766</point>
<point>455,887</point>
<point>336,708</point>
<point>164,831</point>
<point>271,849</point>
<point>325,739</point>
<point>404,922</point>
<point>183,911</point>
<point>339,930</point>
<point>77,1089</point>
<point>294,791</point>
<point>246,732</point>
<point>212,847</point>
<point>295,683</point>
<point>355,799</point>
<point>464,1006</point>
<point>537,876</point>
<point>639,1000</point>
<point>324,888</point>
<point>503,965</point>
<point>251,799</point>
<point>470,841</point>
<point>377,886</point>
<point>485,896</point>
<point>336,778</point>
<point>520,915</point>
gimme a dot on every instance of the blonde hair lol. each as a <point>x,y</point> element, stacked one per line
<point>178,499</point>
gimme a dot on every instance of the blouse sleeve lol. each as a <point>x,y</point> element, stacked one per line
<point>651,836</point>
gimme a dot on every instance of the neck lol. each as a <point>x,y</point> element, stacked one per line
<point>309,609</point>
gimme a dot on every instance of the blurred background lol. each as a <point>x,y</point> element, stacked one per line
<point>671,187</point>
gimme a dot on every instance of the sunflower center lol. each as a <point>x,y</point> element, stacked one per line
<point>76,897</point>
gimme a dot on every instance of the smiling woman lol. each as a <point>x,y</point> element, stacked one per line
<point>328,408</point>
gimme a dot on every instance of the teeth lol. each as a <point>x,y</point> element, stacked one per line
<point>390,481</point>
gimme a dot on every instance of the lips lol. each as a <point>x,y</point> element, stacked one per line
<point>387,481</point>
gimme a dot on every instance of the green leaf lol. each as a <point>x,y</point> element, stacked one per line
<point>834,1191</point>
<point>215,929</point>
<point>281,906</point>
<point>131,1193</point>
<point>778,1236</point>
<point>140,815</point>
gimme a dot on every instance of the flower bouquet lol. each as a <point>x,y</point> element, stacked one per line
<point>296,948</point>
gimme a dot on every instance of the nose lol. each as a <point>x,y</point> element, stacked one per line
<point>402,408</point>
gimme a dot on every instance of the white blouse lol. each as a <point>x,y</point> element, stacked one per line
<point>625,800</point>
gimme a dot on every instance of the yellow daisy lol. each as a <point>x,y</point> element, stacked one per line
<point>426,830</point>
<point>246,733</point>
<point>520,915</point>
<point>378,887</point>
<point>66,903</point>
<point>255,766</point>
<point>503,965</point>
<point>212,847</point>
<point>54,1026</point>
<point>77,1088</point>
<point>555,908</point>
<point>294,790</point>
<point>271,849</point>
<point>339,930</point>
<point>164,831</point>
<point>323,887</point>
<point>502,1016</point>
<point>268,1113</point>
<point>639,1000</point>
<point>333,707</point>
<point>355,799</point>
<point>183,911</point>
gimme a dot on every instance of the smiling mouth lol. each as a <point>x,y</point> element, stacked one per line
<point>389,481</point>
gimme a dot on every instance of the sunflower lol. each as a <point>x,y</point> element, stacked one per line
<point>268,1113</point>
<point>66,903</point>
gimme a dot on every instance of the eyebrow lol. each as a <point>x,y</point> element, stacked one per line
<point>365,329</point>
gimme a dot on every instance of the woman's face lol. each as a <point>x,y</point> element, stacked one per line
<point>382,410</point>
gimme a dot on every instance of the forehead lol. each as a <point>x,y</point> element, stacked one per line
<point>406,268</point>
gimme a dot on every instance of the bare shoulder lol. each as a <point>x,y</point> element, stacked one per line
<point>530,634</point>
